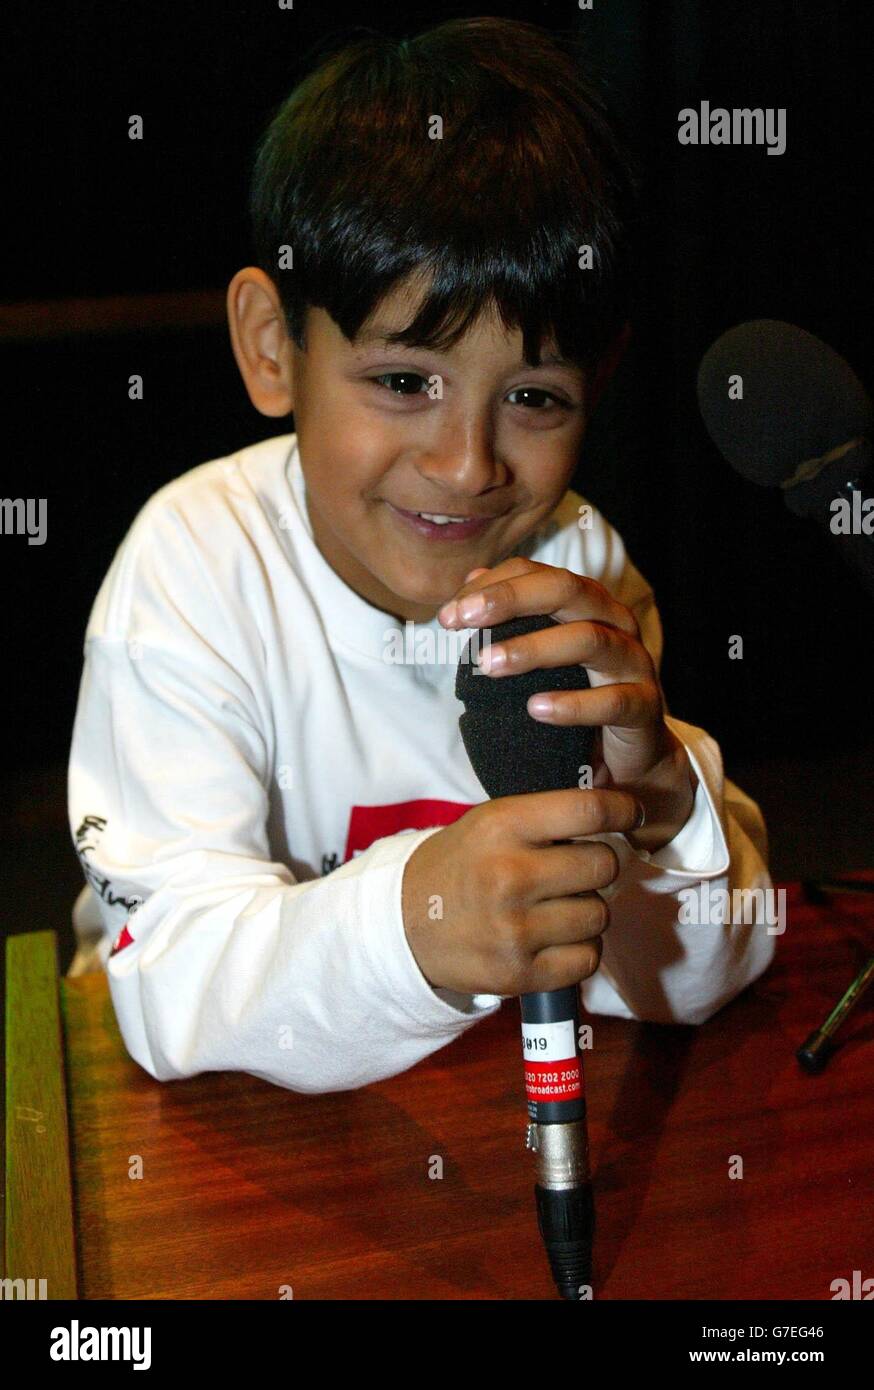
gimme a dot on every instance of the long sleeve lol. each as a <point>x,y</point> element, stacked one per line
<point>693,923</point>
<point>223,961</point>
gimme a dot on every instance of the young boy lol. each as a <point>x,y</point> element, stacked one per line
<point>291,867</point>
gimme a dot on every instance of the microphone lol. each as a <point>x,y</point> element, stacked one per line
<point>786,410</point>
<point>512,754</point>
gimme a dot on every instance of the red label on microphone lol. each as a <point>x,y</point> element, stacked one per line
<point>553,1070</point>
<point>554,1081</point>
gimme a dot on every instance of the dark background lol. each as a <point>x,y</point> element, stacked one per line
<point>730,234</point>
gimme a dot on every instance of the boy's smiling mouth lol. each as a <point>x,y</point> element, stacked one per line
<point>448,530</point>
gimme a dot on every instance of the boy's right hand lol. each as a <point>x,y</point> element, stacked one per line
<point>492,904</point>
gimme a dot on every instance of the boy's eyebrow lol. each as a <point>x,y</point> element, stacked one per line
<point>550,359</point>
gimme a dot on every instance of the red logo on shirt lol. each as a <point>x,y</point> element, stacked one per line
<point>123,939</point>
<point>369,823</point>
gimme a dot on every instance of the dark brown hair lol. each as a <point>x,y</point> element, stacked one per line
<point>528,170</point>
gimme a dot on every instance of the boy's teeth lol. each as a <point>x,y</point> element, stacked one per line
<point>429,516</point>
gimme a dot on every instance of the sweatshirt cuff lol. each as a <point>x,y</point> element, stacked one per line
<point>434,1011</point>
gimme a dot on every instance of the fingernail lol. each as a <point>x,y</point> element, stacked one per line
<point>641,818</point>
<point>540,705</point>
<point>493,659</point>
<point>473,574</point>
<point>471,608</point>
<point>448,614</point>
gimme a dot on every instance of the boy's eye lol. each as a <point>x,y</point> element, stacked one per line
<point>535,395</point>
<point>412,379</point>
<point>411,383</point>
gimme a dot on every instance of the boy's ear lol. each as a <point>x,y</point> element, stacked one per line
<point>607,366</point>
<point>260,342</point>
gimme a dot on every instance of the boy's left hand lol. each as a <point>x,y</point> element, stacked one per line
<point>634,748</point>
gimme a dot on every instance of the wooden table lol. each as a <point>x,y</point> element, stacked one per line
<point>248,1189</point>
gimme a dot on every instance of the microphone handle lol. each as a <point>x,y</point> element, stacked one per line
<point>558,1135</point>
<point>551,1049</point>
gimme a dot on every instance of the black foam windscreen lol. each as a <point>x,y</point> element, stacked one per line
<point>800,399</point>
<point>510,752</point>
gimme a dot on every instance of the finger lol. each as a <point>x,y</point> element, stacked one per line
<point>541,818</point>
<point>535,589</point>
<point>559,873</point>
<point>507,569</point>
<point>557,967</point>
<point>474,584</point>
<point>621,706</point>
<point>581,867</point>
<point>604,650</point>
<point>568,921</point>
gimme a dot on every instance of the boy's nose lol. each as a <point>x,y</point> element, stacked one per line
<point>463,465</point>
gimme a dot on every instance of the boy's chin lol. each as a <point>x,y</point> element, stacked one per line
<point>417,610</point>
<point>432,595</point>
<point>416,605</point>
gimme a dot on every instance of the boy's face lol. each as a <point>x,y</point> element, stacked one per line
<point>501,442</point>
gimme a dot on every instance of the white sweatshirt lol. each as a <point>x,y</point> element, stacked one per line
<point>250,772</point>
